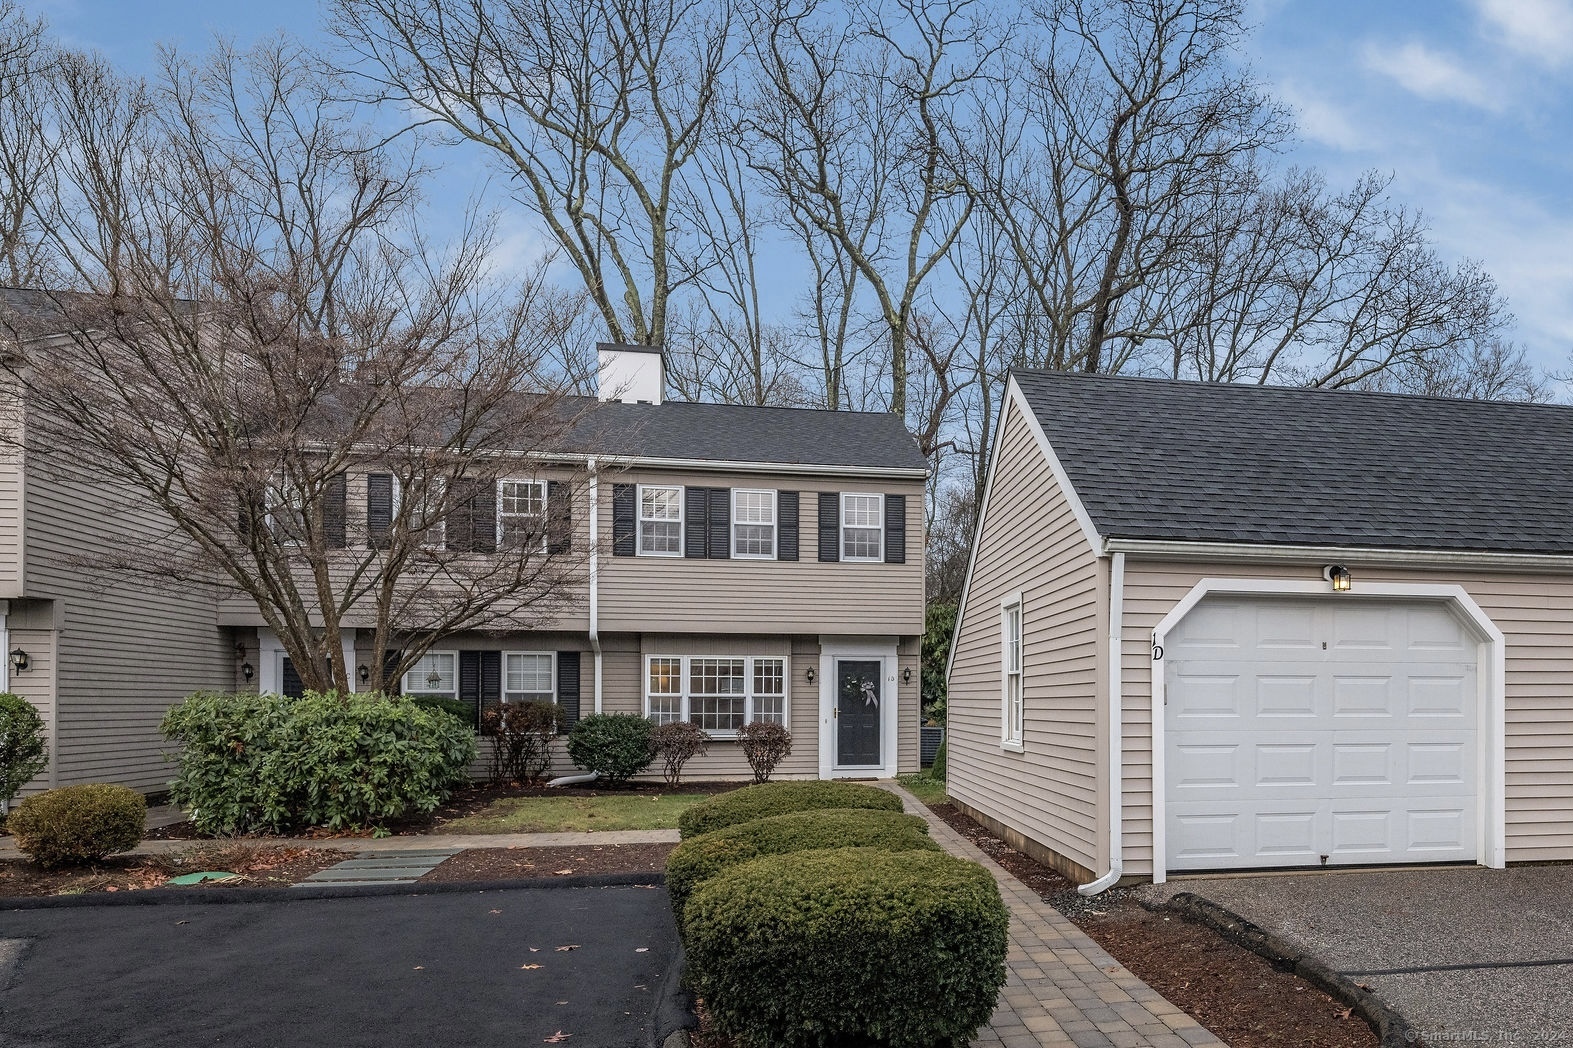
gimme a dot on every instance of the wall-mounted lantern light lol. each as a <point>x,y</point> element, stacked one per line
<point>364,673</point>
<point>810,674</point>
<point>906,675</point>
<point>247,670</point>
<point>1339,576</point>
<point>19,660</point>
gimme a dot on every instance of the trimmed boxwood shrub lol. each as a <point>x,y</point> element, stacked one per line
<point>270,763</point>
<point>852,946</point>
<point>615,744</point>
<point>78,824</point>
<point>780,798</point>
<point>695,861</point>
<point>23,752</point>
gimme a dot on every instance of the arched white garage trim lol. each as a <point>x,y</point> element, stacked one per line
<point>1492,667</point>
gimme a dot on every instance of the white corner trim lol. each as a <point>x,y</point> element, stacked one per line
<point>1492,669</point>
<point>1090,533</point>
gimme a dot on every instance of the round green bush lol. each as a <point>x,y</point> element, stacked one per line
<point>78,824</point>
<point>617,745</point>
<point>695,861</point>
<point>780,798</point>
<point>851,946</point>
<point>270,763</point>
<point>23,750</point>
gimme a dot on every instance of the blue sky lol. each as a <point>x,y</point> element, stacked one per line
<point>1467,103</point>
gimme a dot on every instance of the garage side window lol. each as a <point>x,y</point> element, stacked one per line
<point>1010,664</point>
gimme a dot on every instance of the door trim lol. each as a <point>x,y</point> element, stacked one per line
<point>1492,696</point>
<point>882,649</point>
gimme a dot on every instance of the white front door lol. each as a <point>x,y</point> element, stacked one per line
<point>1309,732</point>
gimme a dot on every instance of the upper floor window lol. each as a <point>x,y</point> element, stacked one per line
<point>527,676</point>
<point>753,523</point>
<point>286,509</point>
<point>436,673</point>
<point>521,513</point>
<point>661,520</point>
<point>1010,662</point>
<point>862,526</point>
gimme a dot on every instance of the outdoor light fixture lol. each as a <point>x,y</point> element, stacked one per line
<point>810,674</point>
<point>364,673</point>
<point>19,659</point>
<point>433,679</point>
<point>247,670</point>
<point>1339,576</point>
<point>906,675</point>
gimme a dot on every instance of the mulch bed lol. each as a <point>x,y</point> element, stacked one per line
<point>472,800</point>
<point>260,866</point>
<point>488,864</point>
<point>1237,995</point>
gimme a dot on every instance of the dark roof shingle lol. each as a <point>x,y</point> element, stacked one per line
<point>1190,461</point>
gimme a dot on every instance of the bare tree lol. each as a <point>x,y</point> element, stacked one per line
<point>852,124</point>
<point>595,108</point>
<point>26,147</point>
<point>257,330</point>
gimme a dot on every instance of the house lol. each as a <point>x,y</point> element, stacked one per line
<point>734,564</point>
<point>1213,627</point>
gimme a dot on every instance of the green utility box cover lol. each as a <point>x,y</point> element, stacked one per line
<point>208,875</point>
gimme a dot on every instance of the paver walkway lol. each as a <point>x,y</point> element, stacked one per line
<point>1061,989</point>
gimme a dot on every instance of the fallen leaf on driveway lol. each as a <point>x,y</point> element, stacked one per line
<point>528,967</point>
<point>420,967</point>
<point>494,911</point>
<point>565,949</point>
<point>643,949</point>
<point>563,873</point>
<point>558,1038</point>
<point>535,949</point>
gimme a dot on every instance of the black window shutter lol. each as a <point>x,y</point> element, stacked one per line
<point>696,522</point>
<point>829,526</point>
<point>335,498</point>
<point>568,686</point>
<point>390,662</point>
<point>491,679</point>
<point>483,516</point>
<point>624,516</point>
<point>291,683</point>
<point>786,525</point>
<point>379,509</point>
<point>470,676</point>
<point>459,523</point>
<point>895,529</point>
<point>559,517</point>
<point>720,523</point>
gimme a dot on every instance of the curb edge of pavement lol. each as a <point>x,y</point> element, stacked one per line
<point>1392,1029</point>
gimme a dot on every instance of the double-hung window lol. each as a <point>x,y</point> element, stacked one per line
<point>428,518</point>
<point>436,673</point>
<point>753,523</point>
<point>1010,666</point>
<point>521,514</point>
<point>286,508</point>
<point>528,676</point>
<point>862,526</point>
<point>660,520</point>
<point>719,694</point>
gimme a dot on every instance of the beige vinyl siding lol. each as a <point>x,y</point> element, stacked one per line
<point>12,485</point>
<point>1531,610</point>
<point>126,650</point>
<point>36,684</point>
<point>648,594</point>
<point>1031,542</point>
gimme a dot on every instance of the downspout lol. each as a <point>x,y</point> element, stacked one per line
<point>1116,770</point>
<point>595,573</point>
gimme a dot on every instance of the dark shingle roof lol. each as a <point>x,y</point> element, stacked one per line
<point>738,433</point>
<point>1188,461</point>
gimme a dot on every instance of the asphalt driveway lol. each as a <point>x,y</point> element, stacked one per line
<point>496,967</point>
<point>1468,956</point>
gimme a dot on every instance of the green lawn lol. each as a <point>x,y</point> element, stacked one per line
<point>641,811</point>
<point>925,789</point>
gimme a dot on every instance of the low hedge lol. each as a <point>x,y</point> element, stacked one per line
<point>696,860</point>
<point>852,946</point>
<point>78,824</point>
<point>780,798</point>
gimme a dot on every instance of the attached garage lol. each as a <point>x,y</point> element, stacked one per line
<point>1226,627</point>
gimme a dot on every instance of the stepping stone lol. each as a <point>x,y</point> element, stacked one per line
<point>382,867</point>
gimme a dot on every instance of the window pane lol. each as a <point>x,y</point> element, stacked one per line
<point>861,511</point>
<point>666,710</point>
<point>660,504</point>
<point>434,674</point>
<point>666,676</point>
<point>862,543</point>
<point>754,507</point>
<point>770,708</point>
<point>754,540</point>
<point>769,676</point>
<point>716,676</point>
<point>523,497</point>
<point>661,537</point>
<point>718,713</point>
<point>529,673</point>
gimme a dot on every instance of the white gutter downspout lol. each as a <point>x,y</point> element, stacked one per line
<point>595,571</point>
<point>1116,770</point>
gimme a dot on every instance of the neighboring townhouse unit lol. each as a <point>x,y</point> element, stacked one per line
<point>734,564</point>
<point>1211,627</point>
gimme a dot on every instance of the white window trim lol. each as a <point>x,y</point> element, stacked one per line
<point>841,528</point>
<point>639,520</point>
<point>685,706</point>
<point>404,681</point>
<point>545,519</point>
<point>775,525</point>
<point>1012,730</point>
<point>503,684</point>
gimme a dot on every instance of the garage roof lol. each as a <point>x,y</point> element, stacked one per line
<point>1204,462</point>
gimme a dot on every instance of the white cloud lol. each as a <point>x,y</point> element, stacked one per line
<point>1430,74</point>
<point>1320,120</point>
<point>1542,29</point>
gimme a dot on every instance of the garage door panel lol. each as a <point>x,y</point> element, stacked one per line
<point>1355,740</point>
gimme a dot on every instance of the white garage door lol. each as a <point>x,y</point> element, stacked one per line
<point>1325,731</point>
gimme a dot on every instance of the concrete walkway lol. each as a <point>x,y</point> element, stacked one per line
<point>1061,989</point>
